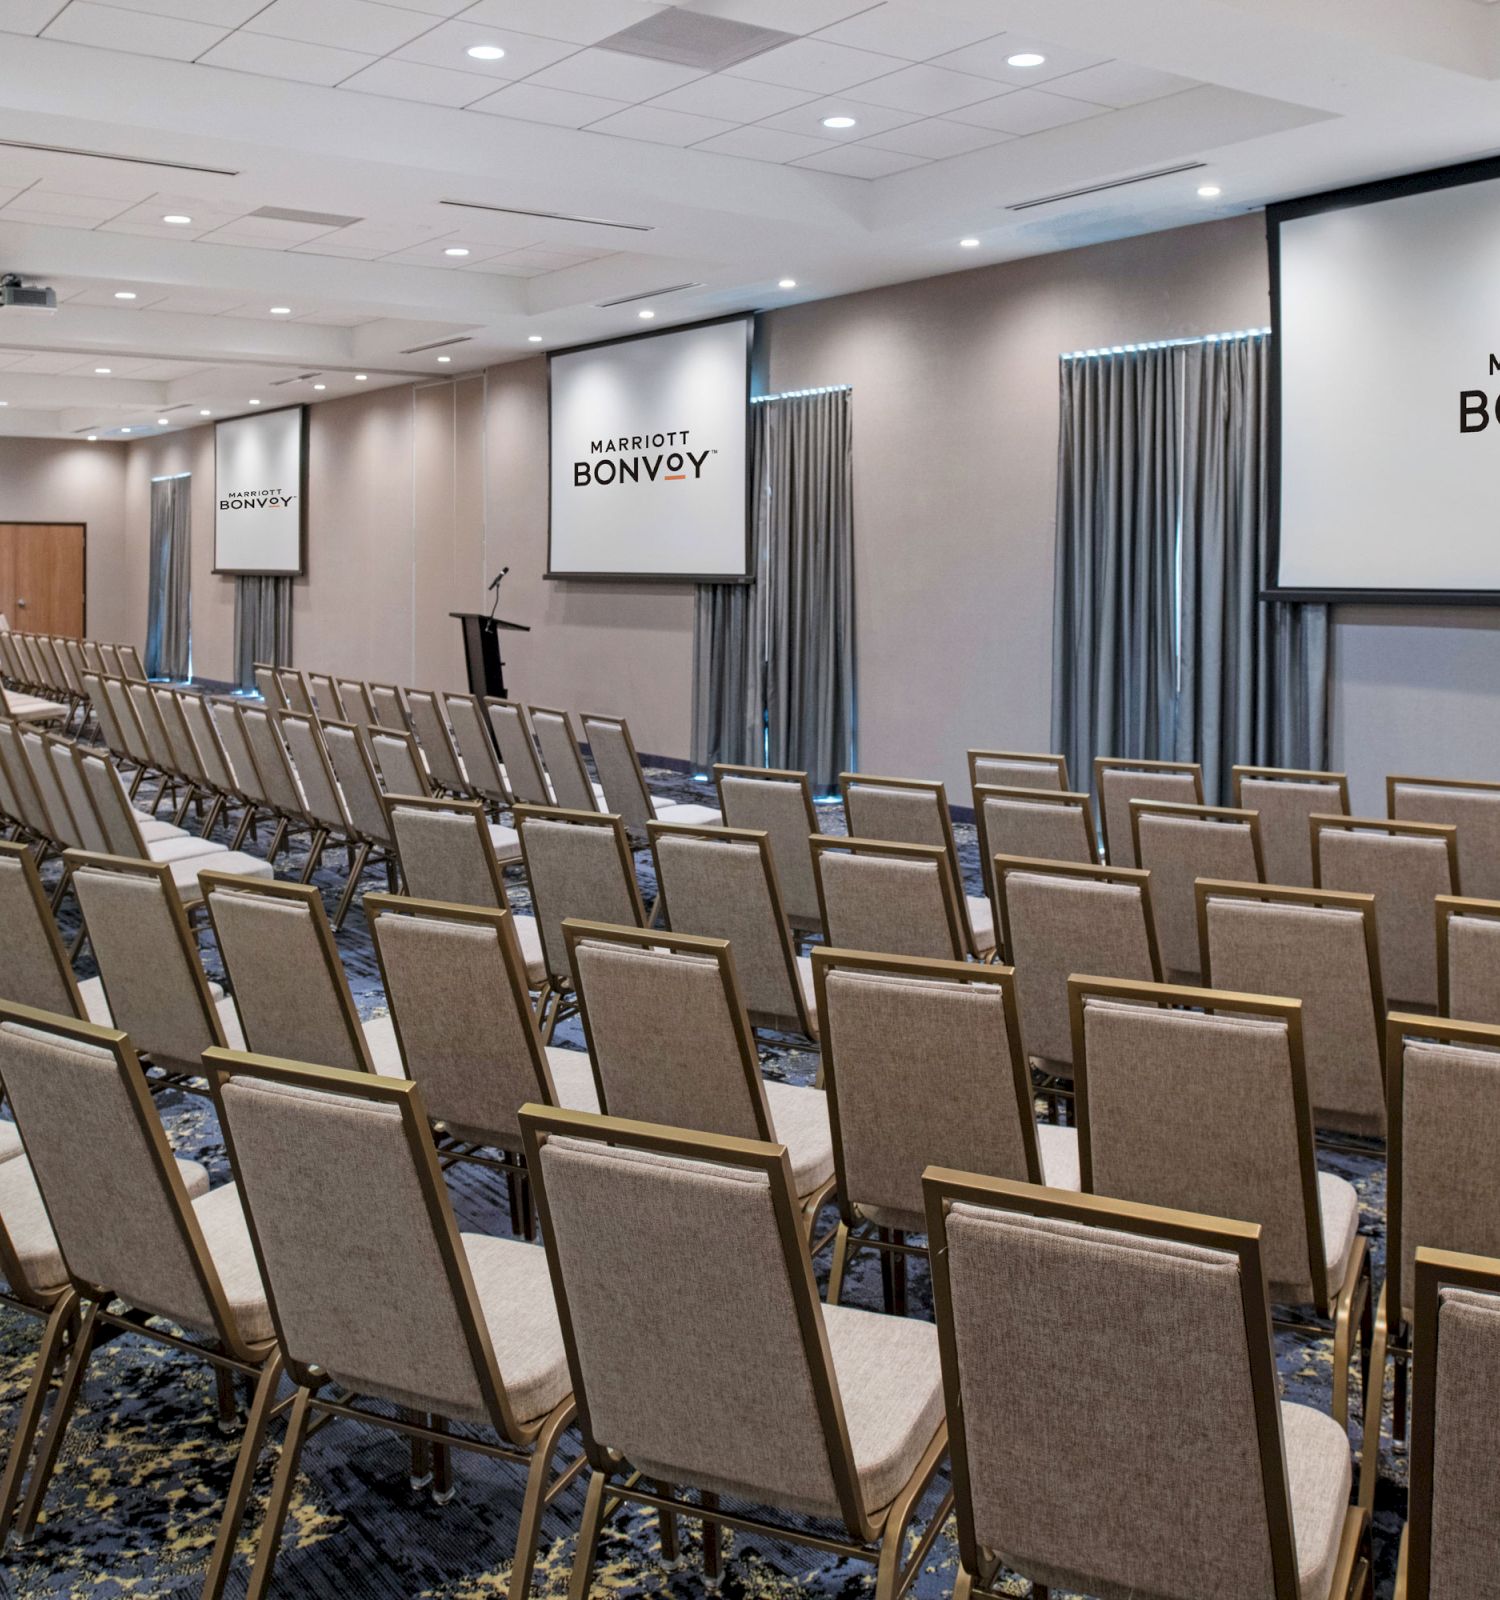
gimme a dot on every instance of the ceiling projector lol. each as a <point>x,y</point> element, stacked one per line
<point>18,296</point>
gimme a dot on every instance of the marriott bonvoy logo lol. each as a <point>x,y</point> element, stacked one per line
<point>641,457</point>
<point>255,499</point>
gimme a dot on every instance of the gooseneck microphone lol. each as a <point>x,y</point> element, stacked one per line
<point>495,581</point>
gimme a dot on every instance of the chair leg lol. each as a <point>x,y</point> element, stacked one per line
<point>838,1264</point>
<point>1356,1284</point>
<point>713,1542</point>
<point>277,840</point>
<point>666,1521</point>
<point>54,1339</point>
<point>1398,1409</point>
<point>314,854</point>
<point>442,1464</point>
<point>281,1496</point>
<point>233,1516</point>
<point>247,821</point>
<point>211,816</point>
<point>57,1423</point>
<point>356,870</point>
<point>535,1501</point>
<point>587,1552</point>
<point>227,1401</point>
<point>1374,1397</point>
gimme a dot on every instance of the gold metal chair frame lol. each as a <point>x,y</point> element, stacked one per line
<point>525,763</point>
<point>1321,822</point>
<point>1063,799</point>
<point>1289,775</point>
<point>1059,765</point>
<point>1449,906</point>
<point>1103,764</point>
<point>784,775</point>
<point>576,773</point>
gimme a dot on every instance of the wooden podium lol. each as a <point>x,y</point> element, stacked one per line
<point>482,650</point>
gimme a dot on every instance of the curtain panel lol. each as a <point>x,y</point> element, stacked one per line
<point>169,598</point>
<point>262,625</point>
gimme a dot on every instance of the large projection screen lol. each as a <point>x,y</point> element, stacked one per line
<point>1386,362</point>
<point>649,456</point>
<point>260,494</point>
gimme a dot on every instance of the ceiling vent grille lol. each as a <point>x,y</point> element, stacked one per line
<point>691,39</point>
<point>438,344</point>
<point>550,216</point>
<point>646,294</point>
<point>1100,188</point>
<point>313,219</point>
<point>298,377</point>
<point>110,155</point>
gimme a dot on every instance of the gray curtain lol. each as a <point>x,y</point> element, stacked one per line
<point>774,659</point>
<point>262,625</point>
<point>169,649</point>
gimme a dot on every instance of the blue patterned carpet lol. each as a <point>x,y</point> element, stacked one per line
<point>134,1506</point>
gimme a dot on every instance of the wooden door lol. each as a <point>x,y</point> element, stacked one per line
<point>41,576</point>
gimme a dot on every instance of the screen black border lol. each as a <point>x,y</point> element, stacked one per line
<point>300,571</point>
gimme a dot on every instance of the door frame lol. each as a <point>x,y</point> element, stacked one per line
<point>40,522</point>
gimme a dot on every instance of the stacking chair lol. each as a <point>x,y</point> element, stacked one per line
<point>1406,866</point>
<point>398,761</point>
<point>721,883</point>
<point>213,759</point>
<point>137,748</point>
<point>1118,781</point>
<point>165,756</point>
<point>389,705</point>
<point>899,899</point>
<point>327,702</point>
<point>703,1071</point>
<point>112,731</point>
<point>25,800</point>
<point>430,725</point>
<point>516,744</point>
<point>376,1295</point>
<point>131,665</point>
<point>1197,1099</point>
<point>322,803</point>
<point>1321,947</point>
<point>1468,941</point>
<point>63,758</point>
<point>924,1066</point>
<point>114,665</point>
<point>754,1390</point>
<point>780,804</point>
<point>1088,1455</point>
<point>355,703</point>
<point>1040,824</point>
<point>1471,807</point>
<point>132,1225</point>
<point>1286,797</point>
<point>206,774</point>
<point>295,693</point>
<point>268,684</point>
<point>359,789</point>
<point>224,715</point>
<point>94,656</point>
<point>624,783</point>
<point>1016,769</point>
<point>34,966</point>
<point>567,777</point>
<point>289,985</point>
<point>449,850</point>
<point>1443,1098</point>
<point>278,779</point>
<point>914,811</point>
<point>476,750</point>
<point>1179,844</point>
<point>1449,1546</point>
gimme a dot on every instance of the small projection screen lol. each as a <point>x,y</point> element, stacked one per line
<point>260,494</point>
<point>649,456</point>
<point>1385,398</point>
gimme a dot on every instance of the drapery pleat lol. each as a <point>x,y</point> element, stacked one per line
<point>262,625</point>
<point>169,650</point>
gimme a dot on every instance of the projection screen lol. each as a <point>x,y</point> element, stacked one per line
<point>649,456</point>
<point>260,493</point>
<point>1386,389</point>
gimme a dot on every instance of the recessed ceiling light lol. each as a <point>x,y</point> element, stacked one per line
<point>253,402</point>
<point>838,122</point>
<point>4,402</point>
<point>445,359</point>
<point>161,422</point>
<point>102,372</point>
<point>486,52</point>
<point>124,294</point>
<point>177,221</point>
<point>968,244</point>
<point>787,283</point>
<point>645,316</point>
<point>1025,58</point>
<point>533,338</point>
<point>361,377</point>
<point>320,386</point>
<point>1209,191</point>
<point>281,311</point>
<point>456,250</point>
<point>124,430</point>
<point>205,413</point>
<point>93,438</point>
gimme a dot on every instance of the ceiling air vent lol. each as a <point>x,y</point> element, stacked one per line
<point>110,155</point>
<point>691,39</point>
<point>1099,188</point>
<point>549,216</point>
<point>299,377</point>
<point>438,344</point>
<point>313,219</point>
<point>646,294</point>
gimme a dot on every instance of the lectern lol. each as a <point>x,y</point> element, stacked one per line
<point>482,650</point>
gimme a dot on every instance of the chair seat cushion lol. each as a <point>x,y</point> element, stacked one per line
<point>529,937</point>
<point>1319,1477</point>
<point>95,1006</point>
<point>222,1219</point>
<point>153,830</point>
<point>573,1078</point>
<point>693,816</point>
<point>385,1052</point>
<point>10,1140</point>
<point>1058,1148</point>
<point>185,872</point>
<point>892,1388</point>
<point>981,922</point>
<point>182,847</point>
<point>809,991</point>
<point>1339,1203</point>
<point>514,1290</point>
<point>800,1118</point>
<point>32,707</point>
<point>505,842</point>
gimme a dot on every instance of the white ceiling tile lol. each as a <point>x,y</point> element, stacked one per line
<point>28,16</point>
<point>331,245</point>
<point>808,119</point>
<point>141,34</point>
<point>991,59</point>
<point>270,57</point>
<point>198,303</point>
<point>926,89</point>
<point>267,232</point>
<point>222,13</point>
<point>913,32</point>
<point>790,16</point>
<point>615,76</point>
<point>504,267</point>
<point>861,161</point>
<point>660,127</point>
<point>336,319</point>
<point>1120,83</point>
<point>435,8</point>
<point>95,178</point>
<point>1026,111</point>
<point>737,99</point>
<point>430,253</point>
<point>551,260</point>
<point>575,21</point>
<point>447,45</point>
<point>530,102</point>
<point>414,80</point>
<point>69,210</point>
<point>810,64</point>
<point>146,218</point>
<point>373,28</point>
<point>95,295</point>
<point>761,143</point>
<point>937,139</point>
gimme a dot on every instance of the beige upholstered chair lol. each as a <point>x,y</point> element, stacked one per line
<point>1468,942</point>
<point>721,883</point>
<point>924,1066</point>
<point>915,811</point>
<point>289,986</point>
<point>1056,919</point>
<point>131,664</point>
<point>199,751</point>
<point>389,705</point>
<point>1450,1547</point>
<point>1286,797</point>
<point>1197,1099</point>
<point>898,899</point>
<point>1406,866</point>
<point>373,1290</point>
<point>516,744</point>
<point>326,699</point>
<point>267,684</point>
<point>430,726</point>
<point>224,714</point>
<point>703,1071</point>
<point>399,762</point>
<point>1320,947</point>
<point>1118,781</point>
<point>359,788</point>
<point>177,784</point>
<point>1016,769</point>
<point>1177,845</point>
<point>27,795</point>
<point>567,777</point>
<point>755,1390</point>
<point>1041,824</point>
<point>354,696</point>
<point>131,1224</point>
<point>1442,1107</point>
<point>296,694</point>
<point>322,803</point>
<point>781,804</point>
<point>123,713</point>
<point>624,783</point>
<point>476,750</point>
<point>110,730</point>
<point>1088,1455</point>
<point>34,966</point>
<point>110,655</point>
<point>278,778</point>
<point>1471,807</point>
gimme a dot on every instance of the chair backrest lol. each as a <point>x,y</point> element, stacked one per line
<point>315,777</point>
<point>513,738</point>
<point>721,883</point>
<point>113,1191</point>
<point>444,849</point>
<point>1468,942</point>
<point>199,726</point>
<point>704,1071</point>
<point>284,970</point>
<point>148,958</point>
<point>104,714</point>
<point>455,980</point>
<point>268,684</point>
<point>327,701</point>
<point>1321,947</point>
<point>153,731</point>
<point>1041,824</point>
<point>1057,919</point>
<point>1165,1094</point>
<point>34,966</point>
<point>93,656</point>
<point>899,899</point>
<point>128,718</point>
<point>1471,807</point>
<point>578,864</point>
<point>1118,781</point>
<point>1162,1477</point>
<point>12,807</point>
<point>74,665</point>
<point>1179,844</point>
<point>109,655</point>
<point>121,832</point>
<point>389,705</point>
<point>225,716</point>
<point>619,769</point>
<point>475,748</point>
<point>168,703</point>
<point>61,758</point>
<point>1016,769</point>
<point>1443,1101</point>
<point>26,790</point>
<point>923,1065</point>
<point>295,693</point>
<point>398,761</point>
<point>131,663</point>
<point>1452,1545</point>
<point>431,728</point>
<point>355,1236</point>
<point>780,804</point>
<point>1286,797</point>
<point>44,775</point>
<point>569,778</point>
<point>349,756</point>
<point>263,736</point>
<point>1406,866</point>
<point>761,1358</point>
<point>354,697</point>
